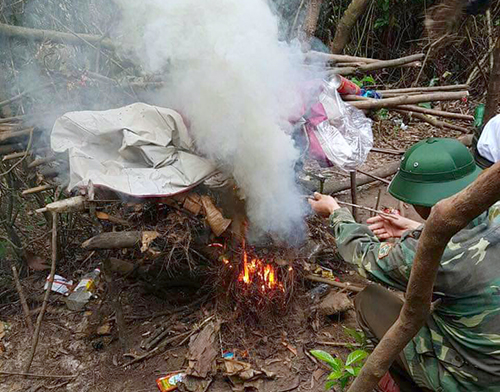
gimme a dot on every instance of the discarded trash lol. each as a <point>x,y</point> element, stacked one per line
<point>169,382</point>
<point>338,133</point>
<point>345,86</point>
<point>228,355</point>
<point>319,291</point>
<point>60,285</point>
<point>84,291</point>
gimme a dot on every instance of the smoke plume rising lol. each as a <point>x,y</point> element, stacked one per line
<point>237,85</point>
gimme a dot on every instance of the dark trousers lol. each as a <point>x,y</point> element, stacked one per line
<point>377,310</point>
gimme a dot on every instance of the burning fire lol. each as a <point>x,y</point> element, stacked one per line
<point>260,273</point>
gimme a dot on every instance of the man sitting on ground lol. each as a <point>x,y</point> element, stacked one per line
<point>458,349</point>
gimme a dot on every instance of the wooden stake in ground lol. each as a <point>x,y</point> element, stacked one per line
<point>354,194</point>
<point>447,218</point>
<point>493,97</point>
<point>50,281</point>
<point>346,24</point>
<point>22,298</point>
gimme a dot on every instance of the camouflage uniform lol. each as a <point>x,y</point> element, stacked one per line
<point>459,347</point>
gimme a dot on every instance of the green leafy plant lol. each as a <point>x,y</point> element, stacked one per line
<point>341,372</point>
<point>366,81</point>
<point>358,336</point>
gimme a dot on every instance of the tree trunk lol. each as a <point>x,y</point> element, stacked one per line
<point>447,218</point>
<point>493,98</point>
<point>311,21</point>
<point>346,23</point>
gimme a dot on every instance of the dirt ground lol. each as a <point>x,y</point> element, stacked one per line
<point>84,351</point>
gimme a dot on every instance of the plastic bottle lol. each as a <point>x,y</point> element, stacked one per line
<point>84,291</point>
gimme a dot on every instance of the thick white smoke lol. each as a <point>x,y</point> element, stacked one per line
<point>237,85</point>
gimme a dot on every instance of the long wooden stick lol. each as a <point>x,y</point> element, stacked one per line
<point>339,57</point>
<point>33,375</point>
<point>330,282</point>
<point>52,35</point>
<point>22,298</point>
<point>24,93</point>
<point>451,87</point>
<point>38,189</point>
<point>434,122</point>
<point>434,112</point>
<point>378,65</point>
<point>354,194</point>
<point>36,336</point>
<point>447,218</point>
<point>409,99</point>
<point>383,180</point>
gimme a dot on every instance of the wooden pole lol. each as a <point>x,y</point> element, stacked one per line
<point>52,35</point>
<point>50,281</point>
<point>354,194</point>
<point>409,99</point>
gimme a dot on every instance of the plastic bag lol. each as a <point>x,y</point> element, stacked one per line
<point>339,134</point>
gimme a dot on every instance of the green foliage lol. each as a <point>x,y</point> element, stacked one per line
<point>342,372</point>
<point>366,81</point>
<point>358,336</point>
<point>383,114</point>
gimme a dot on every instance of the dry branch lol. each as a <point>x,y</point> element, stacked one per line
<point>434,112</point>
<point>115,240</point>
<point>339,58</point>
<point>434,122</point>
<point>346,286</point>
<point>378,65</point>
<point>408,99</point>
<point>452,87</point>
<point>50,281</point>
<point>38,189</point>
<point>12,135</point>
<point>22,298</point>
<point>335,186</point>
<point>447,218</point>
<point>32,375</point>
<point>52,35</point>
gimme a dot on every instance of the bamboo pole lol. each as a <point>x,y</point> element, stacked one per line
<point>451,87</point>
<point>409,99</point>
<point>52,35</point>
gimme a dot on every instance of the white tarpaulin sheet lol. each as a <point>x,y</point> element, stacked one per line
<point>139,150</point>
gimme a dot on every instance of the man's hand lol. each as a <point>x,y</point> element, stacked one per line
<point>390,225</point>
<point>323,205</point>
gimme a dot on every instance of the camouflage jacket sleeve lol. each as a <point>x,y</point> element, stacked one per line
<point>386,262</point>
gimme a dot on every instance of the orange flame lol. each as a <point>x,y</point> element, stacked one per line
<point>259,272</point>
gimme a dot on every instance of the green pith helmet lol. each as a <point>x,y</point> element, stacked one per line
<point>432,170</point>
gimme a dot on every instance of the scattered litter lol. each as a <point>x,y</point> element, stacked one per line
<point>169,382</point>
<point>84,291</point>
<point>319,291</point>
<point>228,355</point>
<point>60,285</point>
<point>147,238</point>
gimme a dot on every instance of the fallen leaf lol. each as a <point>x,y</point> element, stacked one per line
<point>36,263</point>
<point>292,349</point>
<point>147,238</point>
<point>102,215</point>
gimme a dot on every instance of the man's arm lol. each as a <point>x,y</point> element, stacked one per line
<point>389,263</point>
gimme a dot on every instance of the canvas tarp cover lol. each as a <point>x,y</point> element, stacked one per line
<point>139,150</point>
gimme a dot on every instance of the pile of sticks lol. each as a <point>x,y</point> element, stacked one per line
<point>404,100</point>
